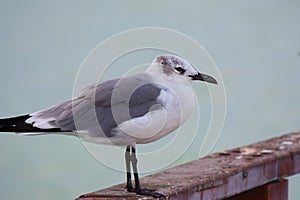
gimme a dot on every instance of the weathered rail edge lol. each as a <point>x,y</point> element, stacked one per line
<point>221,175</point>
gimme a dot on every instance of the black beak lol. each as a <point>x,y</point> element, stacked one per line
<point>204,77</point>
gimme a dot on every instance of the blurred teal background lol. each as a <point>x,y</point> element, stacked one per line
<point>256,46</point>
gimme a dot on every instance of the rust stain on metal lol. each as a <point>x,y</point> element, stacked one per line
<point>220,175</point>
<point>245,174</point>
<point>277,190</point>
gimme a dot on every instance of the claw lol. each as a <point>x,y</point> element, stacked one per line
<point>150,192</point>
<point>130,189</point>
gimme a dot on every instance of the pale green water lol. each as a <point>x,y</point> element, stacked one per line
<point>255,45</point>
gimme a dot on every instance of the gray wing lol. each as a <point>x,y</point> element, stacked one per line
<point>106,104</point>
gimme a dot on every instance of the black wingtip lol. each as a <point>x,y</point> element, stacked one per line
<point>18,124</point>
<point>12,124</point>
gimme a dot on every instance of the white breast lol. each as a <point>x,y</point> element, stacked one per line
<point>178,103</point>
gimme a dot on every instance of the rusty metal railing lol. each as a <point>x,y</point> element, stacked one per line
<point>255,171</point>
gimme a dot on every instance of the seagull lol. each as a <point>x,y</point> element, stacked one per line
<point>126,111</point>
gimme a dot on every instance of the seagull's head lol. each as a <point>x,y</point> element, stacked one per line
<point>174,66</point>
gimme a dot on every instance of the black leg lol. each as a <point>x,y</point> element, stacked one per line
<point>135,171</point>
<point>138,189</point>
<point>128,171</point>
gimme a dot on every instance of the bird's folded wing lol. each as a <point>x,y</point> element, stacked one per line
<point>102,107</point>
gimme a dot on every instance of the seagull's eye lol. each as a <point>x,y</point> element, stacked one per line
<point>179,70</point>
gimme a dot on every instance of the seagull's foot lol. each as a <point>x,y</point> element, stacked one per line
<point>144,191</point>
<point>130,188</point>
<point>149,192</point>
